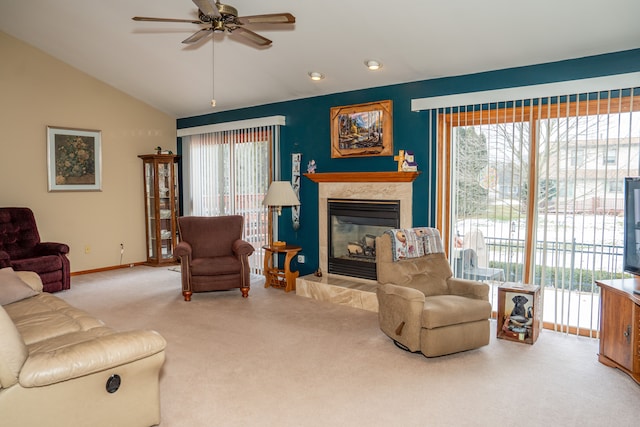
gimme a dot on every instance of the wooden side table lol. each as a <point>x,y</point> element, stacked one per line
<point>280,277</point>
<point>519,312</point>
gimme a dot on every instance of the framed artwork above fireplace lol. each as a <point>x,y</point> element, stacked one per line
<point>362,130</point>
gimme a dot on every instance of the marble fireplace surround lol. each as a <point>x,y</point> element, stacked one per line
<point>353,291</point>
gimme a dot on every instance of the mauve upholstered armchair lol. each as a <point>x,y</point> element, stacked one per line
<point>422,307</point>
<point>21,248</point>
<point>213,256</point>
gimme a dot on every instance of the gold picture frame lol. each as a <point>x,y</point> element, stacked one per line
<point>362,130</point>
<point>74,159</point>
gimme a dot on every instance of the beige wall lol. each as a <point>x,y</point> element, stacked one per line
<point>37,90</point>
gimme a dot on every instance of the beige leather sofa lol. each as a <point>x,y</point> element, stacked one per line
<point>422,308</point>
<point>59,366</point>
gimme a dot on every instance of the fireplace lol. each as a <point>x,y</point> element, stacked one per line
<point>355,187</point>
<point>353,226</point>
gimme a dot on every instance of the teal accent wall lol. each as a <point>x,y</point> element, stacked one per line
<point>307,131</point>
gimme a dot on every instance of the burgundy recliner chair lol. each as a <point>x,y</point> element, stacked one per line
<point>21,248</point>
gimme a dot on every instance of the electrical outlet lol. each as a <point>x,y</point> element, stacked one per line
<point>301,259</point>
<point>121,248</point>
<point>87,249</point>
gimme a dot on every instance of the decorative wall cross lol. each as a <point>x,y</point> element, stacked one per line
<point>400,159</point>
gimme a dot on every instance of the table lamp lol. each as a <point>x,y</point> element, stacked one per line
<point>280,194</point>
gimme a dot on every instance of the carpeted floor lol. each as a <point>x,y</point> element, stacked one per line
<point>277,359</point>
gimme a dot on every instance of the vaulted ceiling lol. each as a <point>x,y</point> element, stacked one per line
<point>414,40</point>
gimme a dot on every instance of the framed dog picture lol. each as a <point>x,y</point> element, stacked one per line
<point>518,314</point>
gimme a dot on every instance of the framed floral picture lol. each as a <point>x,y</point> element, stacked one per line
<point>74,159</point>
<point>362,130</point>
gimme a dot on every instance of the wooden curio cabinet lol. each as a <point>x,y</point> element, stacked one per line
<point>160,207</point>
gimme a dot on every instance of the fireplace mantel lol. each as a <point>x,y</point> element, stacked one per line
<point>362,176</point>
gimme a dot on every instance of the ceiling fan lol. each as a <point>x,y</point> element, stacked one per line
<point>222,17</point>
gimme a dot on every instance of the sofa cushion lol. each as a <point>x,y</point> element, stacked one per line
<point>13,351</point>
<point>446,310</point>
<point>45,316</point>
<point>12,287</point>
<point>72,338</point>
<point>98,350</point>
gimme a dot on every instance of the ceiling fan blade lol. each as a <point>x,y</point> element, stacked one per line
<point>208,7</point>
<point>145,18</point>
<point>272,18</point>
<point>198,36</point>
<point>253,37</point>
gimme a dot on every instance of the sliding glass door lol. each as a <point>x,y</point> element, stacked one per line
<point>534,187</point>
<point>228,174</point>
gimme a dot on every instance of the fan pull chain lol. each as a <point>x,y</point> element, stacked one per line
<point>213,70</point>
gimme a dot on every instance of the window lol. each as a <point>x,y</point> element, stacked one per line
<point>540,179</point>
<point>611,158</point>
<point>578,157</point>
<point>616,186</point>
<point>228,172</point>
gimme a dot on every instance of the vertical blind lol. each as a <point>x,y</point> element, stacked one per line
<point>541,180</point>
<point>229,174</point>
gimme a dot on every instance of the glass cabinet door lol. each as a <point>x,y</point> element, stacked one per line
<point>165,190</point>
<point>161,202</point>
<point>149,184</point>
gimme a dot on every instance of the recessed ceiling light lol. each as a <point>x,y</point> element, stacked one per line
<point>373,64</point>
<point>316,76</point>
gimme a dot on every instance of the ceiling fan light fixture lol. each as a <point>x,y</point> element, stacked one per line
<point>372,64</point>
<point>315,76</point>
<point>216,16</point>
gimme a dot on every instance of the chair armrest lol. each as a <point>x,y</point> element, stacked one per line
<point>183,249</point>
<point>403,292</point>
<point>242,247</point>
<point>88,357</point>
<point>50,248</point>
<point>400,313</point>
<point>468,288</point>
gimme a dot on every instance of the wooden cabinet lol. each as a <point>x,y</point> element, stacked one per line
<point>160,207</point>
<point>519,313</point>
<point>620,325</point>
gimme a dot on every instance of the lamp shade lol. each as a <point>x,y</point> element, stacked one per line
<point>280,194</point>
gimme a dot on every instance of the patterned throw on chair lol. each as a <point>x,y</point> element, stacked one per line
<point>414,242</point>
